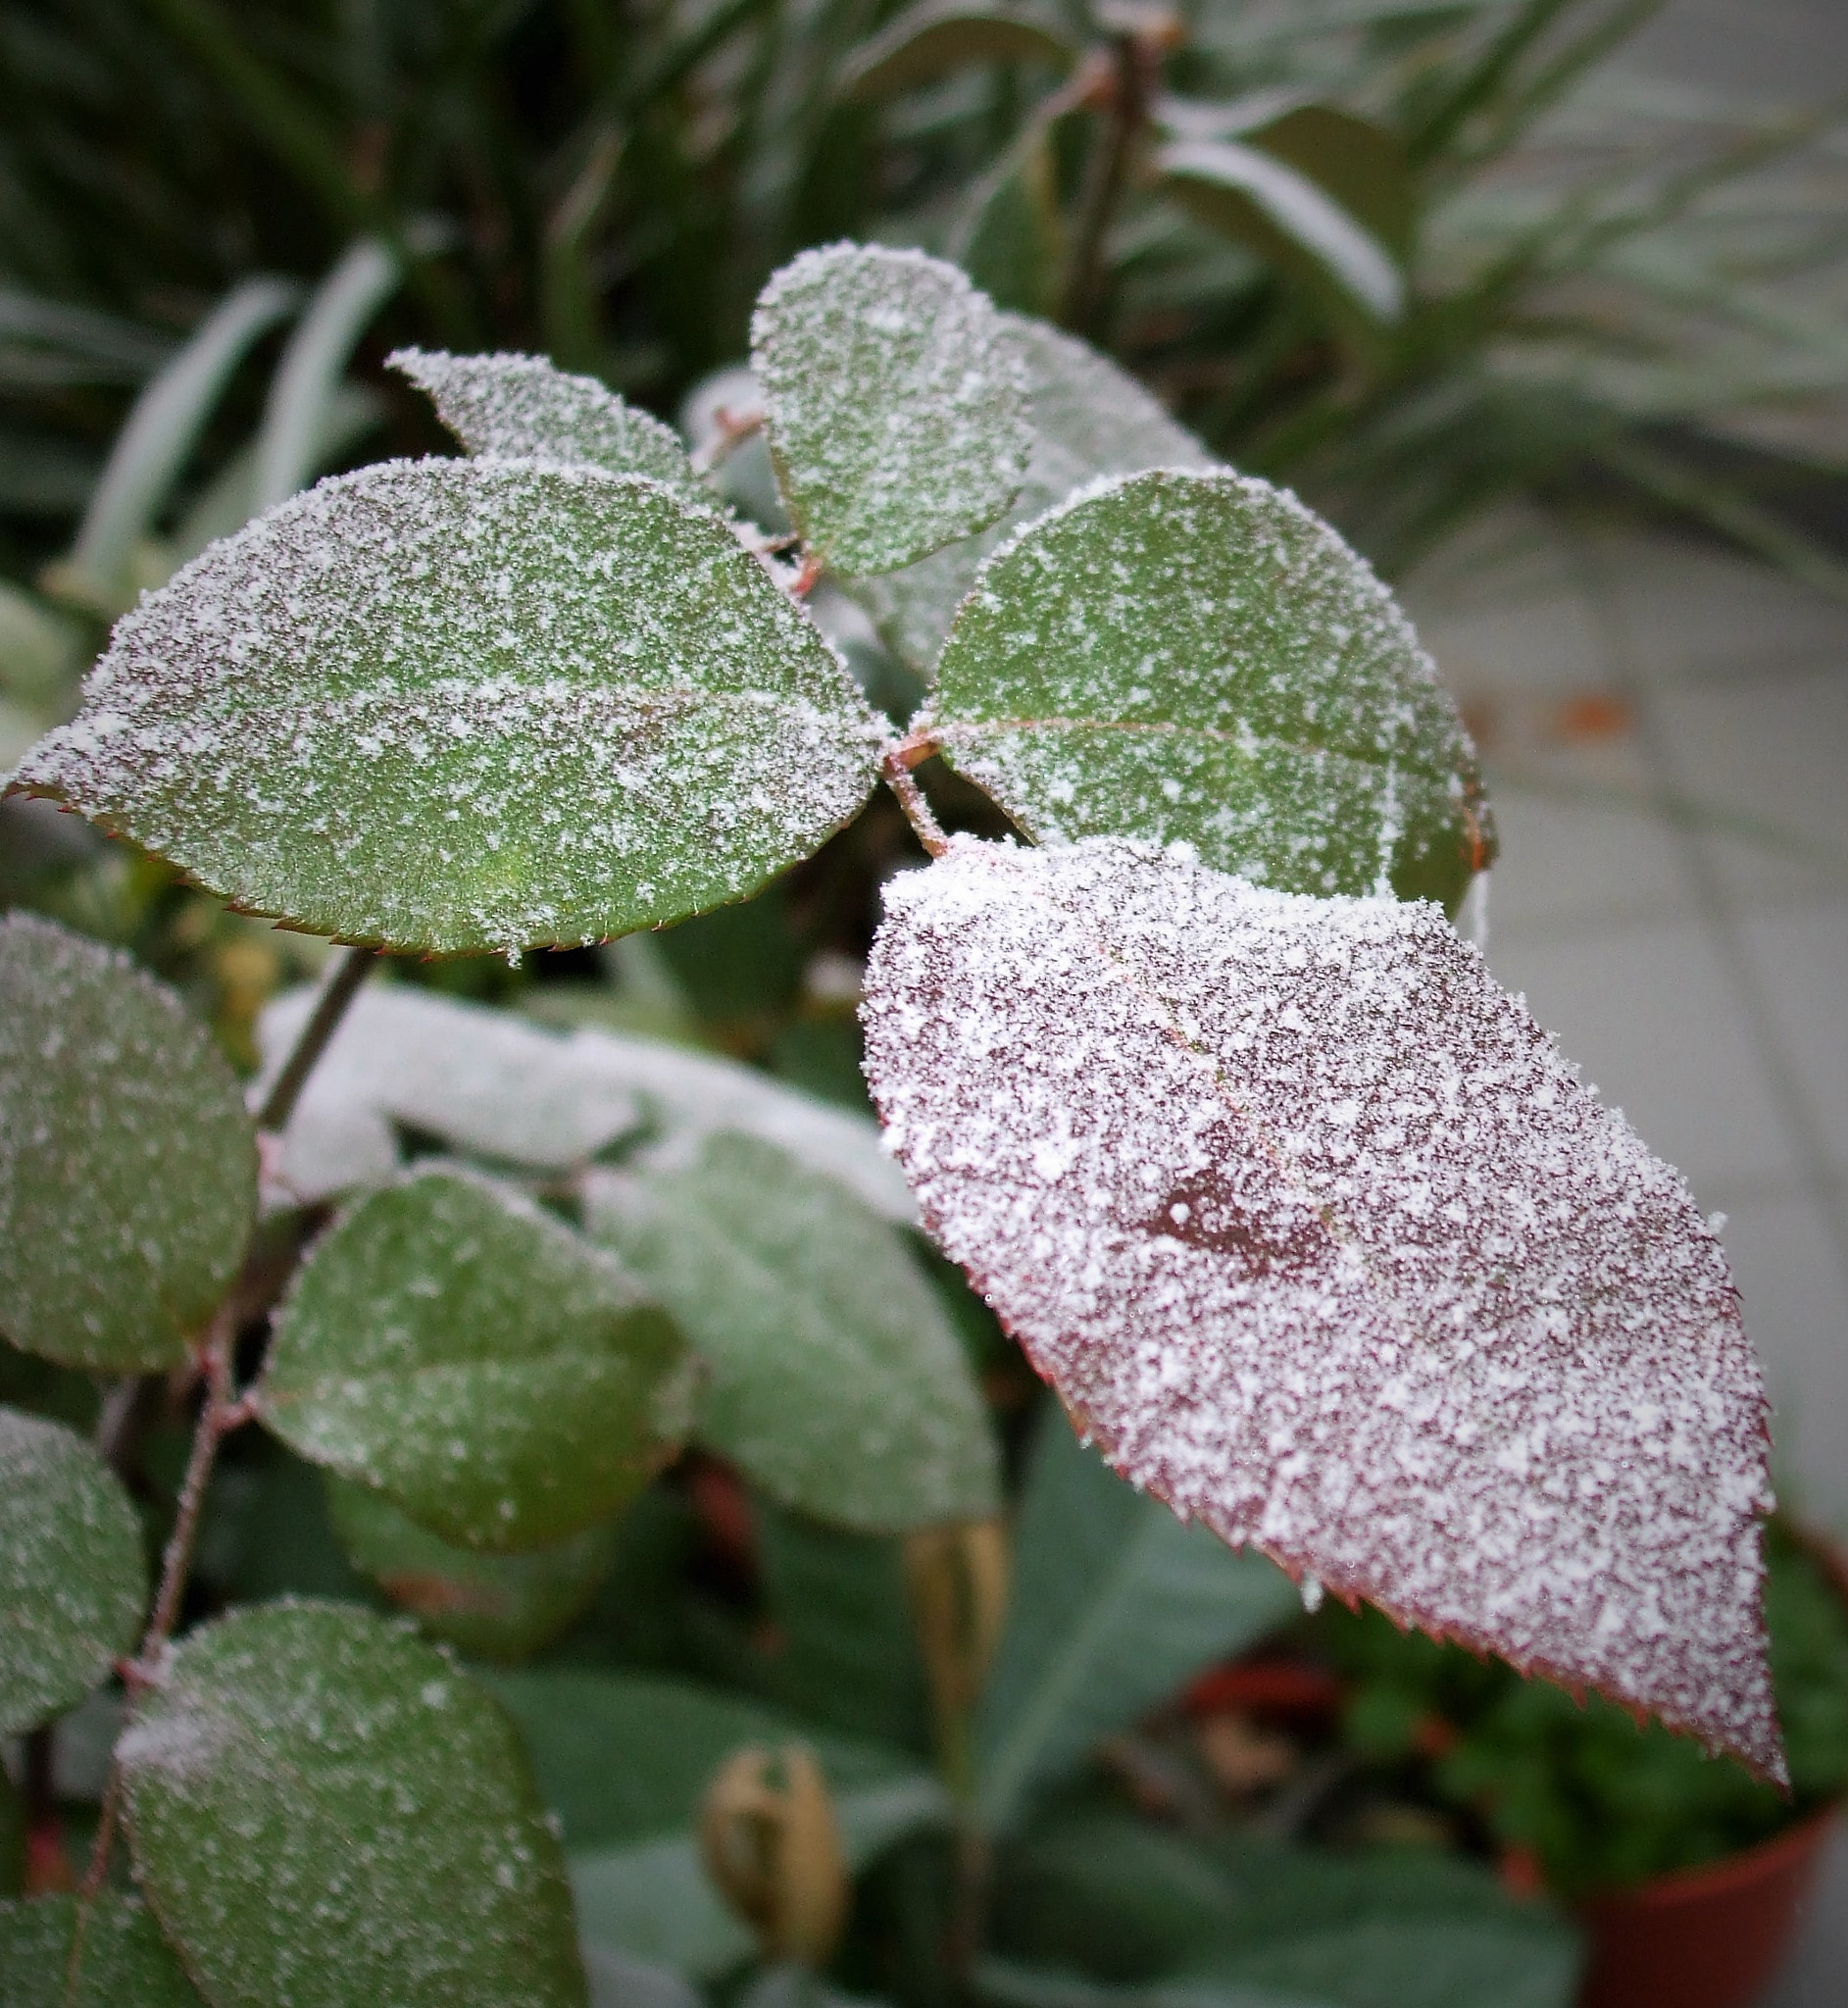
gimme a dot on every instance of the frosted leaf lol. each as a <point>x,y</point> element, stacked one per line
<point>895,403</point>
<point>72,1578</point>
<point>499,1607</point>
<point>1312,1227</point>
<point>124,1962</point>
<point>325,1811</point>
<point>495,1084</point>
<point>497,1378</point>
<point>835,1379</point>
<point>522,408</point>
<point>1196,657</point>
<point>1088,418</point>
<point>454,705</point>
<point>127,1166</point>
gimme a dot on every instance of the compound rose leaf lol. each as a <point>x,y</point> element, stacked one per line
<point>1313,1230</point>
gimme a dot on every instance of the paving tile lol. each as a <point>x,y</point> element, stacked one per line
<point>1650,1016</point>
<point>1801,960</point>
<point>1566,860</point>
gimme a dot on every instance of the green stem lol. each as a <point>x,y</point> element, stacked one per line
<point>1123,90</point>
<point>279,1103</point>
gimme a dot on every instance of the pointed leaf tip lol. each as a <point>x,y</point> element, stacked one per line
<point>1315,1230</point>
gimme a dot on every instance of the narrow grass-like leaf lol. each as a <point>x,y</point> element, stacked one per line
<point>895,403</point>
<point>1115,1605</point>
<point>835,1378</point>
<point>1316,1234</point>
<point>466,704</point>
<point>499,1607</point>
<point>522,408</point>
<point>73,1577</point>
<point>1197,658</point>
<point>325,1811</point>
<point>128,1164</point>
<point>123,1961</point>
<point>494,1375</point>
<point>928,40</point>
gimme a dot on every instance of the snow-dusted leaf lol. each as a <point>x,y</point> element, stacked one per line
<point>1314,1231</point>
<point>935,36</point>
<point>127,1166</point>
<point>1115,1604</point>
<point>496,1377</point>
<point>1196,658</point>
<point>522,408</point>
<point>499,1086</point>
<point>834,1379</point>
<point>1089,419</point>
<point>454,704</point>
<point>325,1811</point>
<point>500,1607</point>
<point>895,401</point>
<point>72,1578</point>
<point>122,1962</point>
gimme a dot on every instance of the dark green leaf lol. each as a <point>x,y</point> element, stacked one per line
<point>520,408</point>
<point>324,1811</point>
<point>1011,240</point>
<point>835,1378</point>
<point>124,1962</point>
<point>1196,658</point>
<point>497,1378</point>
<point>469,704</point>
<point>895,403</point>
<point>1358,162</point>
<point>73,1577</point>
<point>940,35</point>
<point>128,1164</point>
<point>500,1607</point>
<point>1115,1605</point>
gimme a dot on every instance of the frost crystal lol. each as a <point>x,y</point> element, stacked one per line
<point>469,704</point>
<point>1314,1231</point>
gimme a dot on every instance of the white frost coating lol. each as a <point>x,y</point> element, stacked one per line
<point>1315,1231</point>
<point>460,704</point>
<point>491,1083</point>
<point>895,403</point>
<point>520,408</point>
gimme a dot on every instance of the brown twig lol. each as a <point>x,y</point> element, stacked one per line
<point>279,1103</point>
<point>895,765</point>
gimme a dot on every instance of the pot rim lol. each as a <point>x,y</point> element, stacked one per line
<point>1708,1880</point>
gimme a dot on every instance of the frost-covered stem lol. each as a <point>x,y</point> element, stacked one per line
<point>730,433</point>
<point>1122,93</point>
<point>279,1103</point>
<point>896,765</point>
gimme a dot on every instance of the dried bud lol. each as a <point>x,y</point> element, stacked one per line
<point>958,1578</point>
<point>768,1834</point>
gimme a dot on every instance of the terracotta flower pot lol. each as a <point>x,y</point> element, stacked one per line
<point>1706,1938</point>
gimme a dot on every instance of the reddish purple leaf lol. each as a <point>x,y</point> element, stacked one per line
<point>1314,1231</point>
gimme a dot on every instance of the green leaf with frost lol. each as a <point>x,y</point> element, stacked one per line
<point>452,704</point>
<point>835,1379</point>
<point>498,1607</point>
<point>1196,658</point>
<point>623,1760</point>
<point>522,407</point>
<point>496,1377</point>
<point>895,404</point>
<point>1088,418</point>
<point>928,40</point>
<point>1116,1604</point>
<point>73,1577</point>
<point>128,1164</point>
<point>122,1962</point>
<point>324,1810</point>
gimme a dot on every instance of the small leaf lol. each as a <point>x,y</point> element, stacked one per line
<point>73,1577</point>
<point>1316,1234</point>
<point>124,1962</point>
<point>835,1378</point>
<point>1089,419</point>
<point>495,1376</point>
<point>1358,162</point>
<point>451,705</point>
<point>325,1811</point>
<point>1197,658</point>
<point>128,1164</point>
<point>520,408</point>
<point>895,403</point>
<point>499,1607</point>
<point>928,40</point>
<point>1264,202</point>
<point>1116,1604</point>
